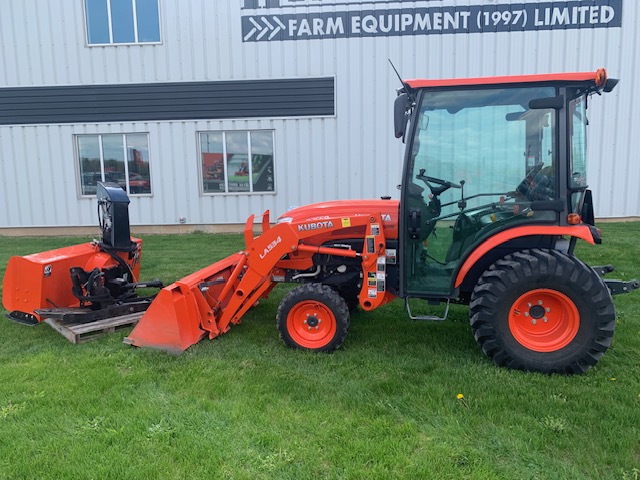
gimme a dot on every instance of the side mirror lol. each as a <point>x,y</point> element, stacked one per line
<point>401,108</point>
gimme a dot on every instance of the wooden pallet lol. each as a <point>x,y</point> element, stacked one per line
<point>83,332</point>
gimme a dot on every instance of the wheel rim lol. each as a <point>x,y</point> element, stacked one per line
<point>544,320</point>
<point>311,324</point>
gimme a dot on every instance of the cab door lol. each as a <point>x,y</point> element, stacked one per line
<point>477,161</point>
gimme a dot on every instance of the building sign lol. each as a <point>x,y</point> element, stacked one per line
<point>334,19</point>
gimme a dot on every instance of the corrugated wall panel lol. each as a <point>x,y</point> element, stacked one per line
<point>352,155</point>
<point>49,177</point>
<point>299,97</point>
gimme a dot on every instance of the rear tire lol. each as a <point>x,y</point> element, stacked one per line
<point>542,310</point>
<point>313,317</point>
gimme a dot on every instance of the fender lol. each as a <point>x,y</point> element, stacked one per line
<point>579,231</point>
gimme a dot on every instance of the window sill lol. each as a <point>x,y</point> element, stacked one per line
<point>236,194</point>
<point>134,44</point>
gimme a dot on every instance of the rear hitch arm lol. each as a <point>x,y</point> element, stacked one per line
<point>616,287</point>
<point>603,270</point>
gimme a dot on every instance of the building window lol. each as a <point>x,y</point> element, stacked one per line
<point>237,162</point>
<point>111,22</point>
<point>117,158</point>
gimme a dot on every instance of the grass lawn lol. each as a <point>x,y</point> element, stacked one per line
<point>244,406</point>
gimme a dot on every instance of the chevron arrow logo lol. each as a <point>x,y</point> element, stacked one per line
<point>263,26</point>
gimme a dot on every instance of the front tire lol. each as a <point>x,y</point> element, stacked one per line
<point>542,310</point>
<point>313,317</point>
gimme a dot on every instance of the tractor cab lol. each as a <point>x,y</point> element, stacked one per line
<point>483,157</point>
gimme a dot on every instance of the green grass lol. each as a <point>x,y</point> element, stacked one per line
<point>244,406</point>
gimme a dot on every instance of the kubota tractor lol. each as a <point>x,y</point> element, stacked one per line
<point>493,200</point>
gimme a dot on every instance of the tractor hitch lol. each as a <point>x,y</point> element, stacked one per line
<point>603,270</point>
<point>616,287</point>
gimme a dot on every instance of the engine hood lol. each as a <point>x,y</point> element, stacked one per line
<point>316,212</point>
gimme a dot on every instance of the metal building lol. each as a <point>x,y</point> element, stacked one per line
<point>207,111</point>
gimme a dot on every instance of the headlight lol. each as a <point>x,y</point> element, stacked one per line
<point>285,220</point>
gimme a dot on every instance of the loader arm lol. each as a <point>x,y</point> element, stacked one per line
<point>208,301</point>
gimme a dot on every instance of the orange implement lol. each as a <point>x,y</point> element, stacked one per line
<point>178,316</point>
<point>41,280</point>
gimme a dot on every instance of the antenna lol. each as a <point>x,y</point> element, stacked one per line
<point>404,84</point>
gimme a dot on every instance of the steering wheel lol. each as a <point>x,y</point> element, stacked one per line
<point>534,185</point>
<point>444,184</point>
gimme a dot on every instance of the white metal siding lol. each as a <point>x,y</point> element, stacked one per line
<point>353,155</point>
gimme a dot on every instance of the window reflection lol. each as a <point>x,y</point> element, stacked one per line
<point>102,158</point>
<point>579,123</point>
<point>237,162</point>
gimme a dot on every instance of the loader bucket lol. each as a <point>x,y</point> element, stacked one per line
<point>185,311</point>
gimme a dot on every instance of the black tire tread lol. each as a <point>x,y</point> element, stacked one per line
<point>321,293</point>
<point>547,265</point>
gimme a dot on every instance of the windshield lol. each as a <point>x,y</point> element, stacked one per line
<point>489,139</point>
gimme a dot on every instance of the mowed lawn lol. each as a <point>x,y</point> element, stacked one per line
<point>244,406</point>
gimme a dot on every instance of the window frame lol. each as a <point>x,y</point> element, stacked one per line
<point>581,98</point>
<point>110,25</point>
<point>102,172</point>
<point>225,166</point>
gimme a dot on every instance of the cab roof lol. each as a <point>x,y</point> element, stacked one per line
<point>599,79</point>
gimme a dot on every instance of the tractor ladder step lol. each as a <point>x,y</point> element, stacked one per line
<point>433,318</point>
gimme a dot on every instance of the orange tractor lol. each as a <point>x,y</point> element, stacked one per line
<point>493,200</point>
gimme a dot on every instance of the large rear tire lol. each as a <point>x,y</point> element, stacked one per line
<point>542,310</point>
<point>313,317</point>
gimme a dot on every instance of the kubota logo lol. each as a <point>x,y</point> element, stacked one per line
<point>315,226</point>
<point>270,247</point>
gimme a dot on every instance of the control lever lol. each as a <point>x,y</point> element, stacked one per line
<point>462,203</point>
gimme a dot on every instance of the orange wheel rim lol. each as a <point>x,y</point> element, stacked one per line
<point>311,324</point>
<point>544,320</point>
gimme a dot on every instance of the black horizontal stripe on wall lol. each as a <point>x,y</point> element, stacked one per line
<point>300,97</point>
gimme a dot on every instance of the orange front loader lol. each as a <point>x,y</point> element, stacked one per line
<point>207,302</point>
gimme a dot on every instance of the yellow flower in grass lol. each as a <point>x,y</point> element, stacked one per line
<point>460,396</point>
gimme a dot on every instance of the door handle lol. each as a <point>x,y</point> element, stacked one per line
<point>414,223</point>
